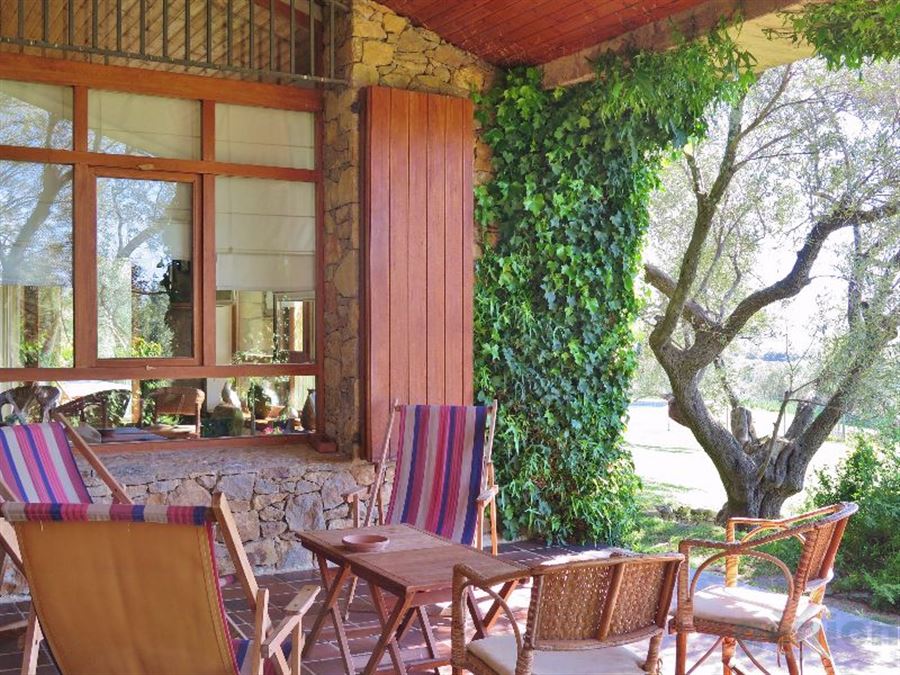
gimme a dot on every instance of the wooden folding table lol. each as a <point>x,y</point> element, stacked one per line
<point>416,568</point>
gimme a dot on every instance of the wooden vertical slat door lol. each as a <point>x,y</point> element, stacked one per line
<point>418,272</point>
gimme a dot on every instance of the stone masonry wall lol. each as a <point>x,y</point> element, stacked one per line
<point>274,492</point>
<point>374,46</point>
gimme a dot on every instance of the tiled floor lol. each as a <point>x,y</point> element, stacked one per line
<point>861,646</point>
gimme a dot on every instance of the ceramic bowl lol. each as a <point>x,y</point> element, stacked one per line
<point>365,543</point>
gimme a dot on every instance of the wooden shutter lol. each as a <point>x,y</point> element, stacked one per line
<point>418,261</point>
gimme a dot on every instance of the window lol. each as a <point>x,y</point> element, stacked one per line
<point>159,257</point>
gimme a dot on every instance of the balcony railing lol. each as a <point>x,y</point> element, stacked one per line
<point>273,40</point>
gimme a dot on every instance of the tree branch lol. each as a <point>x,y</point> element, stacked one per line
<point>693,312</point>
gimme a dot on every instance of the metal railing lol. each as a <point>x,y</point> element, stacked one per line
<point>280,40</point>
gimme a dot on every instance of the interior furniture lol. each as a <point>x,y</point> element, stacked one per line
<point>737,614</point>
<point>41,397</point>
<point>133,590</point>
<point>178,401</point>
<point>416,568</point>
<point>99,401</point>
<point>38,466</point>
<point>580,614</point>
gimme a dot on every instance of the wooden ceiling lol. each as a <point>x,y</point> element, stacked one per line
<point>516,32</point>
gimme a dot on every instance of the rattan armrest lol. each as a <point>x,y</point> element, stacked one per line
<point>686,544</point>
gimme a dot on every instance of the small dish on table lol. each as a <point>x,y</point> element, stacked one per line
<point>365,543</point>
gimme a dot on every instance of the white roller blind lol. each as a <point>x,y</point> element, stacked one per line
<point>250,135</point>
<point>265,235</point>
<point>134,124</point>
<point>26,112</point>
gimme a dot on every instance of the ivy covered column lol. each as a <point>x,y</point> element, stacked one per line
<point>555,300</point>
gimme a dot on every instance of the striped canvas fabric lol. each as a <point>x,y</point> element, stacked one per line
<point>37,464</point>
<point>17,512</point>
<point>438,475</point>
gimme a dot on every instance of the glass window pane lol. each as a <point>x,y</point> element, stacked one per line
<point>35,265</point>
<point>145,305</point>
<point>134,124</point>
<point>35,115</point>
<point>110,411</point>
<point>249,135</point>
<point>265,271</point>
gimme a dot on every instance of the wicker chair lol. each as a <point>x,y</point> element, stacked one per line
<point>580,615</point>
<point>735,614</point>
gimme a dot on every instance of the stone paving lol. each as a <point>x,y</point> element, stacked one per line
<point>861,646</point>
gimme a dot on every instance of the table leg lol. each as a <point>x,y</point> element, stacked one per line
<point>484,623</point>
<point>330,609</point>
<point>389,625</point>
<point>428,633</point>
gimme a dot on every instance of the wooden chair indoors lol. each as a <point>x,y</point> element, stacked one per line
<point>37,465</point>
<point>95,406</point>
<point>580,615</point>
<point>132,590</point>
<point>178,401</point>
<point>736,614</point>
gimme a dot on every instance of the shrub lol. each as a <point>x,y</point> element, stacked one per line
<point>869,558</point>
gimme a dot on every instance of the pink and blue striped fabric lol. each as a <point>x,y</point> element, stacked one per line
<point>439,470</point>
<point>37,464</point>
<point>17,512</point>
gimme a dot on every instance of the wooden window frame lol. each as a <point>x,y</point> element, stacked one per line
<point>87,166</point>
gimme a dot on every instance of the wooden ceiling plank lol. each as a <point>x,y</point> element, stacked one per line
<point>571,36</point>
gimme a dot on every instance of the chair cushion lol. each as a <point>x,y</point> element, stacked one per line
<point>243,648</point>
<point>500,653</point>
<point>750,607</point>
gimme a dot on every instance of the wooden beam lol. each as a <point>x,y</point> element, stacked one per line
<point>692,23</point>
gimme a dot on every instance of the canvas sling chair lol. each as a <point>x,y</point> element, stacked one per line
<point>443,474</point>
<point>37,465</point>
<point>134,590</point>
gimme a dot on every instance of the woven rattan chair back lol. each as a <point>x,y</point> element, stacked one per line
<point>602,603</point>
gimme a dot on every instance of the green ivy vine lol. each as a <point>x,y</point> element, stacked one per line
<point>555,300</point>
<point>562,222</point>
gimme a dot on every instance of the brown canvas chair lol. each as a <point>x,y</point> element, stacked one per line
<point>134,590</point>
<point>580,615</point>
<point>736,614</point>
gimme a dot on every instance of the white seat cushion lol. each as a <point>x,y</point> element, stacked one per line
<point>750,607</point>
<point>500,653</point>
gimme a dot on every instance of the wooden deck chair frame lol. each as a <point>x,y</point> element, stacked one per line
<point>9,544</point>
<point>373,494</point>
<point>267,638</point>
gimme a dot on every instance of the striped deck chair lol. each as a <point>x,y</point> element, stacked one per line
<point>443,474</point>
<point>133,590</point>
<point>37,465</point>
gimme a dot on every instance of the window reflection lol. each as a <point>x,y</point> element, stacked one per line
<point>145,291</point>
<point>36,303</point>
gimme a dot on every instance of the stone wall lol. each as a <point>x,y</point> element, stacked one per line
<point>374,46</point>
<point>274,492</point>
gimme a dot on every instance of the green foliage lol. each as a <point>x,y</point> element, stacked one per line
<point>869,558</point>
<point>846,33</point>
<point>555,299</point>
